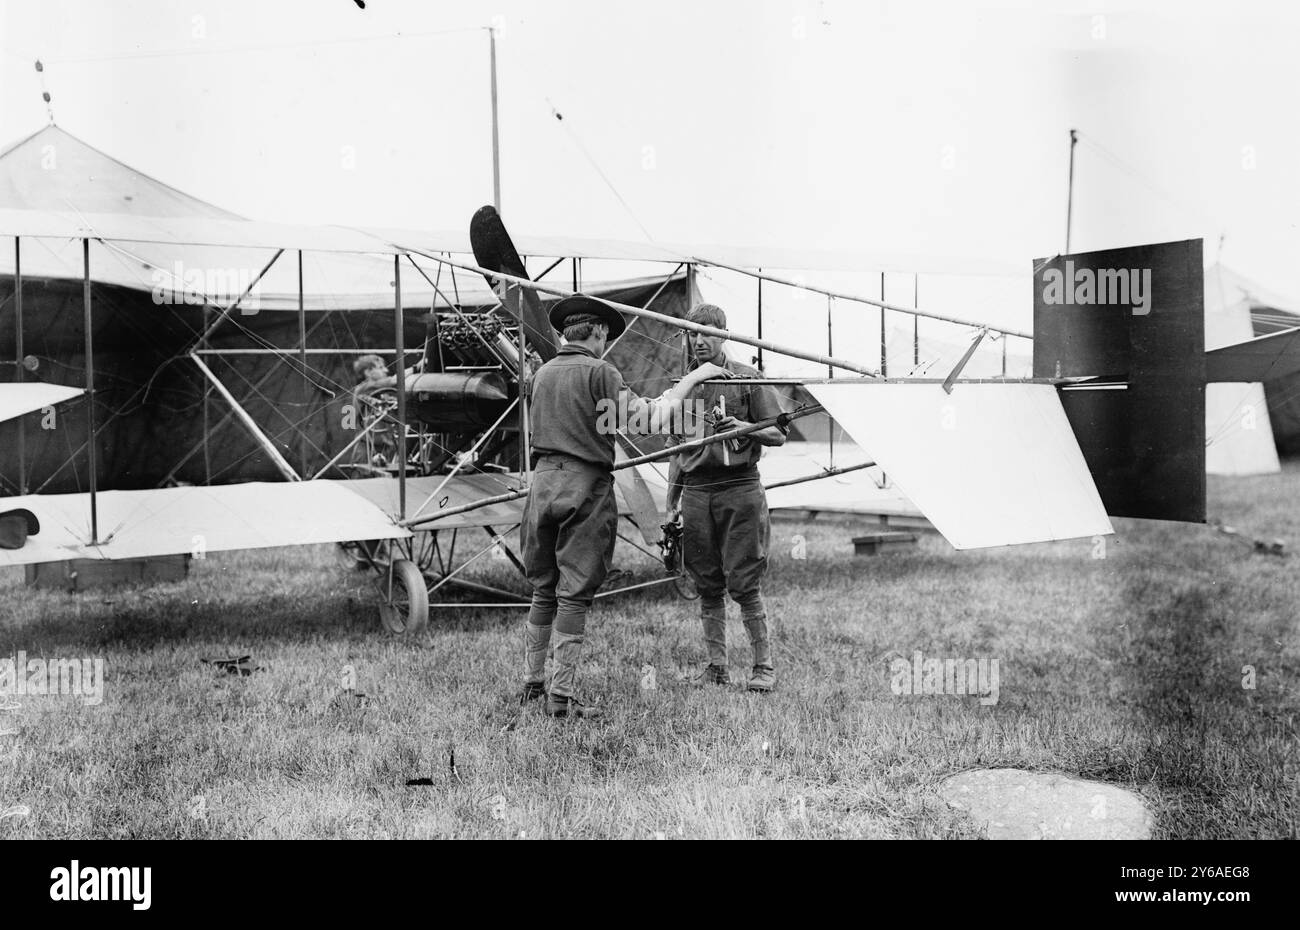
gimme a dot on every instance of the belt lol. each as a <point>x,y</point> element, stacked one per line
<point>719,476</point>
<point>564,461</point>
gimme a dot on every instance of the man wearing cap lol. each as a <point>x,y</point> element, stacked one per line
<point>570,517</point>
<point>723,507</point>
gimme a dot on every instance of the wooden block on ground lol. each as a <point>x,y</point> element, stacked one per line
<point>877,543</point>
<point>82,574</point>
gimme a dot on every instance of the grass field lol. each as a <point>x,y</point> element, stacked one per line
<point>1126,669</point>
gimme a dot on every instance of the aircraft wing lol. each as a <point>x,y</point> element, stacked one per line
<point>21,397</point>
<point>989,465</point>
<point>460,490</point>
<point>172,521</point>
<point>257,515</point>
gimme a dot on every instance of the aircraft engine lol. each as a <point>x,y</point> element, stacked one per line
<point>453,401</point>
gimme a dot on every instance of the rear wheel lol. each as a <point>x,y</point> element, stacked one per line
<point>407,607</point>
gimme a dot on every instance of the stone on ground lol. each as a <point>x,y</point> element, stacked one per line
<point>1011,804</point>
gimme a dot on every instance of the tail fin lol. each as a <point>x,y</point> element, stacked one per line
<point>1132,322</point>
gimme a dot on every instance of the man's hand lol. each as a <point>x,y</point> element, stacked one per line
<point>767,436</point>
<point>692,379</point>
<point>727,424</point>
<point>708,371</point>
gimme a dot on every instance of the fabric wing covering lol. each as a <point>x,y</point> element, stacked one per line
<point>865,491</point>
<point>467,489</point>
<point>259,515</point>
<point>459,491</point>
<point>171,521</point>
<point>18,398</point>
<point>988,465</point>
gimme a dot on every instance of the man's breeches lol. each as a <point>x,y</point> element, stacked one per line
<point>725,535</point>
<point>568,534</point>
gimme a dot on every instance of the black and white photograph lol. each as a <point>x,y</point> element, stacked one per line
<point>738,420</point>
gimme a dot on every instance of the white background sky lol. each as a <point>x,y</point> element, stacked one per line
<point>934,129</point>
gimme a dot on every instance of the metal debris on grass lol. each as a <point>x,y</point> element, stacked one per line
<point>242,666</point>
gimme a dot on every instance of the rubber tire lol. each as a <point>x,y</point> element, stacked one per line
<point>407,578</point>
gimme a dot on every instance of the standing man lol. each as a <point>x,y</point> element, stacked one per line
<point>725,528</point>
<point>578,402</point>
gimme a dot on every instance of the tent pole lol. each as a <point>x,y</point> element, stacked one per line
<point>496,144</point>
<point>90,394</point>
<point>830,338</point>
<point>916,324</point>
<point>687,354</point>
<point>1069,191</point>
<point>830,372</point>
<point>399,338</point>
<point>18,355</point>
<point>884,355</point>
<point>302,360</point>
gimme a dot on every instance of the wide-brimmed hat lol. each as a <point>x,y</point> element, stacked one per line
<point>16,526</point>
<point>583,309</point>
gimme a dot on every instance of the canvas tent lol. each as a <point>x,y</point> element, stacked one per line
<point>1248,425</point>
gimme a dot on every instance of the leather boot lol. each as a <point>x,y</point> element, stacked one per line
<point>763,677</point>
<point>561,700</point>
<point>536,640</point>
<point>714,621</point>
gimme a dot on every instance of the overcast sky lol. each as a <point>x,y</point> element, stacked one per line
<point>934,129</point>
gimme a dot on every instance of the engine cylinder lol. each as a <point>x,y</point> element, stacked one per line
<point>453,401</point>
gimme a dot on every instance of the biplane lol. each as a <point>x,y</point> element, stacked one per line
<point>1110,423</point>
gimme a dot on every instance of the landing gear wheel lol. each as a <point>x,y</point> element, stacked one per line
<point>407,610</point>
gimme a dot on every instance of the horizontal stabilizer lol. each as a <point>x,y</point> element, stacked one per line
<point>1263,359</point>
